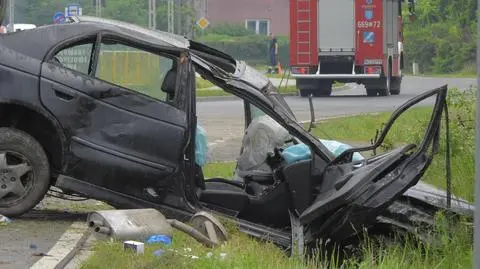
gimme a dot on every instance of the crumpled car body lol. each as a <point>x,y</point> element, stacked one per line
<point>111,143</point>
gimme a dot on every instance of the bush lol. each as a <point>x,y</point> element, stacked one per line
<point>252,49</point>
<point>230,29</point>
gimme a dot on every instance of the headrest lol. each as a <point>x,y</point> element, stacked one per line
<point>170,81</point>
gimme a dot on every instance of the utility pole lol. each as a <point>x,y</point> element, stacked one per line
<point>476,247</point>
<point>11,15</point>
<point>171,16</point>
<point>152,14</point>
<point>178,16</point>
<point>98,8</point>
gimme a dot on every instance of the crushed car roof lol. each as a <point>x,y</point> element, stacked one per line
<point>37,42</point>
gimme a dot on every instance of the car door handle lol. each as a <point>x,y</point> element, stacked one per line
<point>63,95</point>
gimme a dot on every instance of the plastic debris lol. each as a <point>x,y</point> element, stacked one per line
<point>158,252</point>
<point>209,255</point>
<point>4,220</point>
<point>33,246</point>
<point>223,256</point>
<point>41,254</point>
<point>187,249</point>
<point>136,247</point>
<point>164,239</point>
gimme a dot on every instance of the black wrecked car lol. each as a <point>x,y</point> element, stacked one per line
<point>64,125</point>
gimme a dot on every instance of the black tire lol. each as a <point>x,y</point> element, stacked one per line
<point>316,87</point>
<point>305,92</point>
<point>21,146</point>
<point>324,90</point>
<point>396,86</point>
<point>372,92</point>
<point>384,92</point>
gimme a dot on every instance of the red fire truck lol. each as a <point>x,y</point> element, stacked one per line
<point>347,41</point>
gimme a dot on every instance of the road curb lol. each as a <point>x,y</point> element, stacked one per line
<point>230,98</point>
<point>65,248</point>
<point>65,261</point>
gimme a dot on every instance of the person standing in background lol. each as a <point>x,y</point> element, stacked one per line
<point>273,54</point>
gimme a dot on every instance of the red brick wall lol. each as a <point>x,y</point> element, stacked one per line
<point>237,11</point>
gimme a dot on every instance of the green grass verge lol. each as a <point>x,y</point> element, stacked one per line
<point>448,75</point>
<point>244,252</point>
<point>220,92</point>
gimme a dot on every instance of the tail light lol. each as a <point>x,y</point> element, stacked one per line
<point>373,70</point>
<point>300,70</point>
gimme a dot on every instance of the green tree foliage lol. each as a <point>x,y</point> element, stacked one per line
<point>443,37</point>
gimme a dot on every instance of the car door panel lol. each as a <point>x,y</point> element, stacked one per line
<point>127,129</point>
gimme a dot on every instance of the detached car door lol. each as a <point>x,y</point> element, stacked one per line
<point>110,96</point>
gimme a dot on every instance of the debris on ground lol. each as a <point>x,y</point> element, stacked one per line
<point>40,254</point>
<point>158,252</point>
<point>137,247</point>
<point>151,226</point>
<point>4,220</point>
<point>164,239</point>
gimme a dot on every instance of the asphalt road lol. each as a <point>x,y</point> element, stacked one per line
<point>223,121</point>
<point>344,102</point>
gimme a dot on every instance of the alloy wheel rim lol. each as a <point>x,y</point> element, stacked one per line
<point>16,177</point>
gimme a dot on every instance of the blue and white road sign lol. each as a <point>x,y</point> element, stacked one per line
<point>368,37</point>
<point>73,10</point>
<point>368,14</point>
<point>59,17</point>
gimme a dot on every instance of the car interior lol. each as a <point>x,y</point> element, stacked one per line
<point>262,179</point>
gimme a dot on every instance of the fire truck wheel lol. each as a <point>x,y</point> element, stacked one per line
<point>305,92</point>
<point>384,92</point>
<point>323,92</point>
<point>372,92</point>
<point>396,86</point>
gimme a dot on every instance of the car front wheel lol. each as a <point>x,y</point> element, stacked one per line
<point>24,172</point>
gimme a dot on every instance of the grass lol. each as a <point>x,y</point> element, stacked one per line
<point>203,83</point>
<point>220,92</point>
<point>449,75</point>
<point>244,252</point>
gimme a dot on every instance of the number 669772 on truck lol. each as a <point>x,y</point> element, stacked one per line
<point>357,41</point>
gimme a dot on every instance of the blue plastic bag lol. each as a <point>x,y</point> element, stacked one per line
<point>160,238</point>
<point>201,146</point>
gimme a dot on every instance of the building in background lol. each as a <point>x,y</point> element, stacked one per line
<point>261,16</point>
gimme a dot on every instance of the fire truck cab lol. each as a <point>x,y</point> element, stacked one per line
<point>358,41</point>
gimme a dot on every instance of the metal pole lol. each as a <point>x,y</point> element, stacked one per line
<point>152,14</point>
<point>476,247</point>
<point>98,8</point>
<point>11,16</point>
<point>171,16</point>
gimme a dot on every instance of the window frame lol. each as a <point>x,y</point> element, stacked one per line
<point>96,39</point>
<point>257,25</point>
<point>129,44</point>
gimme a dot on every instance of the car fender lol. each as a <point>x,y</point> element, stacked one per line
<point>437,198</point>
